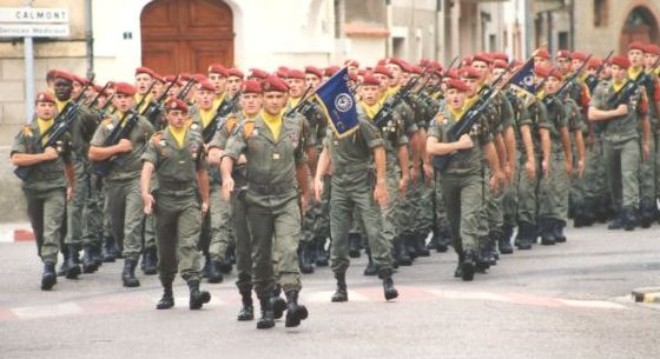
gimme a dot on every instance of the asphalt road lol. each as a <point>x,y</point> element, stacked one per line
<point>567,301</point>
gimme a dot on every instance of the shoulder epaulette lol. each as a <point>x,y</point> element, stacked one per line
<point>157,137</point>
<point>27,131</point>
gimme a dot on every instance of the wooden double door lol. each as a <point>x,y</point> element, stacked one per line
<point>186,35</point>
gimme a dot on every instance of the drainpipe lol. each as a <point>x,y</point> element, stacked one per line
<point>89,39</point>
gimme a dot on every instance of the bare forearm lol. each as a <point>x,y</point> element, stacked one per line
<point>302,175</point>
<point>226,166</point>
<point>28,159</point>
<point>566,143</point>
<point>97,154</point>
<point>491,156</point>
<point>70,174</point>
<point>145,177</point>
<point>579,144</point>
<point>500,148</point>
<point>323,164</point>
<point>546,145</point>
<point>402,153</point>
<point>646,130</point>
<point>510,142</point>
<point>379,160</point>
<point>528,142</point>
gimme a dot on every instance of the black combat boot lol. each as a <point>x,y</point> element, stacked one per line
<point>96,254</point>
<point>247,310</point>
<point>354,244</point>
<point>89,264</point>
<point>49,278</point>
<point>484,256</point>
<point>304,263</point>
<point>128,274</point>
<point>401,252</point>
<point>224,265</point>
<point>630,219</point>
<point>64,266</point>
<point>207,265</point>
<point>547,232</point>
<point>341,294</point>
<point>646,213</point>
<point>458,272</point>
<point>197,297</point>
<point>389,290</point>
<point>420,245</point>
<point>278,304</point>
<point>295,313</point>
<point>321,254</point>
<point>150,261</point>
<point>558,230</point>
<point>73,262</point>
<point>617,222</point>
<point>468,265</point>
<point>267,319</point>
<point>215,275</point>
<point>371,266</point>
<point>523,238</point>
<point>167,300</point>
<point>410,246</point>
<point>504,241</point>
<point>109,250</point>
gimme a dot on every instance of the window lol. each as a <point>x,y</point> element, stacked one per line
<point>600,13</point>
<point>562,40</point>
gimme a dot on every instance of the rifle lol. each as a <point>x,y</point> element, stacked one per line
<point>61,125</point>
<point>96,99</point>
<point>146,94</point>
<point>469,118</point>
<point>300,103</point>
<point>153,110</point>
<point>383,115</point>
<point>561,93</point>
<point>185,89</point>
<point>223,110</point>
<point>102,168</point>
<point>592,80</point>
<point>624,94</point>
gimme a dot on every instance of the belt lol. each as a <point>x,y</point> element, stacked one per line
<point>357,167</point>
<point>175,185</point>
<point>267,189</point>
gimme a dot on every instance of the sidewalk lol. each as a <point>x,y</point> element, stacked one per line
<point>16,232</point>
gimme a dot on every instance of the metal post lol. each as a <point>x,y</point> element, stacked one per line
<point>28,53</point>
<point>529,18</point>
<point>89,39</point>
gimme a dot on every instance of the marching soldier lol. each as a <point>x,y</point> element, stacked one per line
<point>122,181</point>
<point>351,188</point>
<point>622,151</point>
<point>251,104</point>
<point>275,163</point>
<point>462,179</point>
<point>177,156</point>
<point>49,184</point>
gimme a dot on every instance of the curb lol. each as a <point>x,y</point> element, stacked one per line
<point>15,233</point>
<point>646,295</point>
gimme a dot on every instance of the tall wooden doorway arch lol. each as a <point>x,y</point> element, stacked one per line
<point>641,25</point>
<point>186,35</point>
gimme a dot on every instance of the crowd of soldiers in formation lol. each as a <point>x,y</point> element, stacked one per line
<point>124,170</point>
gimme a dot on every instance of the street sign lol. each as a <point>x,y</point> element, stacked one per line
<point>33,15</point>
<point>34,30</point>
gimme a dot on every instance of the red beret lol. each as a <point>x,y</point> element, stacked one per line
<point>251,86</point>
<point>52,73</point>
<point>563,53</point>
<point>174,103</point>
<point>452,74</point>
<point>44,96</point>
<point>636,45</point>
<point>380,69</point>
<point>199,77</point>
<point>235,72</point>
<point>414,69</point>
<point>577,55</point>
<point>81,80</point>
<point>314,71</point>
<point>257,73</point>
<point>331,70</point>
<point>542,71</point>
<point>554,72</point>
<point>621,61</point>
<point>274,84</point>
<point>351,62</point>
<point>483,58</point>
<point>158,77</point>
<point>296,74</point>
<point>542,53</point>
<point>282,73</point>
<point>169,78</point>
<point>217,69</point>
<point>398,62</point>
<point>470,73</point>
<point>97,88</point>
<point>458,85</point>
<point>185,76</point>
<point>594,63</point>
<point>64,76</point>
<point>352,77</point>
<point>652,49</point>
<point>125,88</point>
<point>370,80</point>
<point>144,70</point>
<point>499,56</point>
<point>500,64</point>
<point>467,61</point>
<point>206,85</point>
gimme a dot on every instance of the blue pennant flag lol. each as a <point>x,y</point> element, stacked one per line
<point>338,104</point>
<point>524,82</point>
